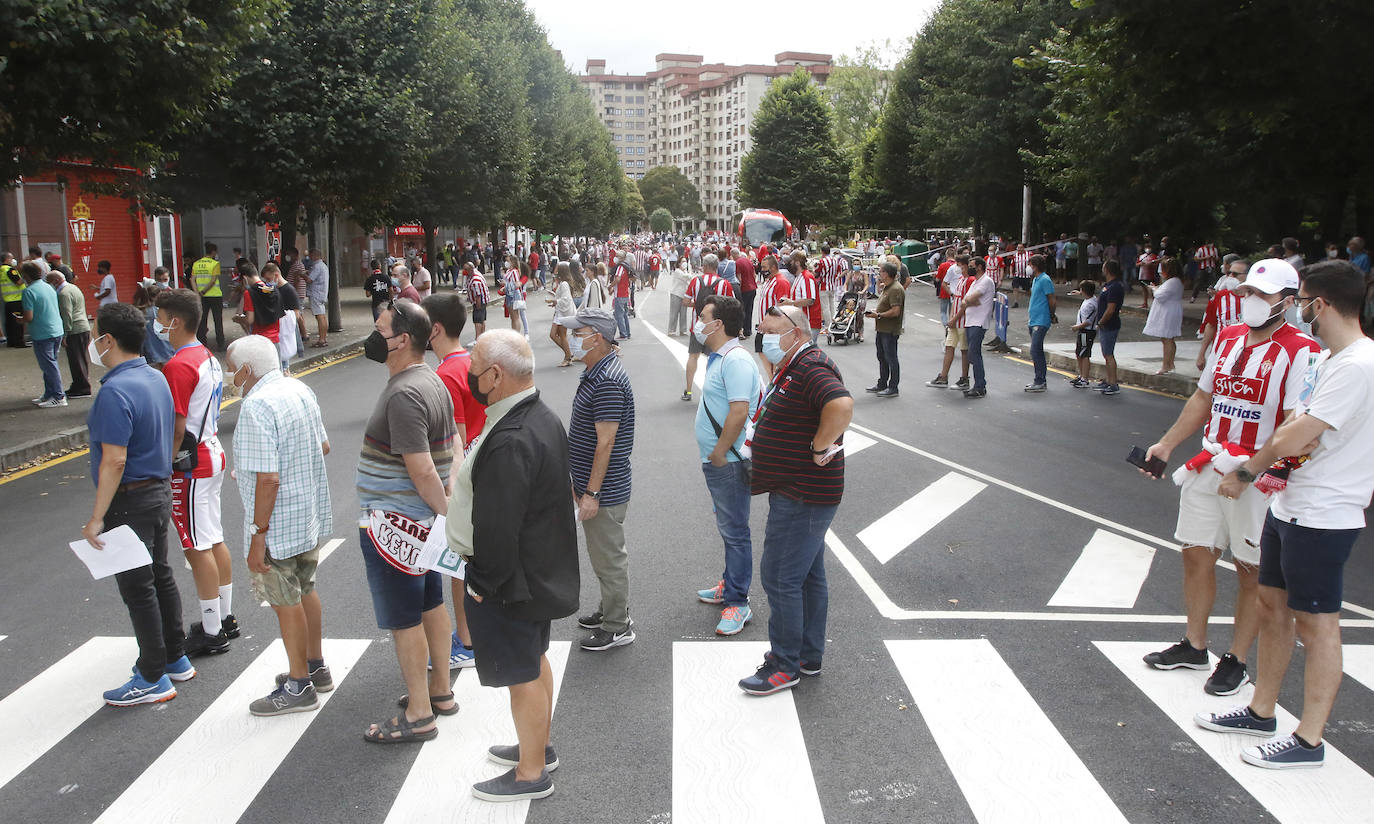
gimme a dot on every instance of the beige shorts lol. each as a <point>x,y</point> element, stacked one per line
<point>956,337</point>
<point>1207,519</point>
<point>288,580</point>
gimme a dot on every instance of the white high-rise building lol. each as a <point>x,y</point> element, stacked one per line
<point>692,115</point>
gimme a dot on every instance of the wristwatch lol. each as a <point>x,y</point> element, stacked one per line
<point>259,530</point>
<point>595,496</point>
<point>1245,475</point>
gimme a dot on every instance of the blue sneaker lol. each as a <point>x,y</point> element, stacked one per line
<point>733,619</point>
<point>459,656</point>
<point>1285,753</point>
<point>138,690</point>
<point>181,669</point>
<point>1237,720</point>
<point>713,595</point>
<point>768,679</point>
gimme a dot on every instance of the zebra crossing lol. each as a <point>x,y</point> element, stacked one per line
<point>1004,751</point>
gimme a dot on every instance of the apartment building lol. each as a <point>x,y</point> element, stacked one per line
<point>692,115</point>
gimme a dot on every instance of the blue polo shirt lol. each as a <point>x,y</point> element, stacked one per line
<point>603,394</point>
<point>1041,289</point>
<point>133,409</point>
<point>730,376</point>
<point>41,300</point>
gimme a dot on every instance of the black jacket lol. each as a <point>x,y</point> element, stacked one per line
<point>523,529</point>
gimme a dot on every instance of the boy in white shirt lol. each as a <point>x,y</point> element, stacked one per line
<point>1086,329</point>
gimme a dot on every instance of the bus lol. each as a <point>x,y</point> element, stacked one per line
<point>763,226</point>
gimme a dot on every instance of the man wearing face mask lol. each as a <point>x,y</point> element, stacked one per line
<point>197,383</point>
<point>402,483</point>
<point>1312,523</point>
<point>601,436</point>
<point>799,463</point>
<point>131,456</point>
<point>1252,381</point>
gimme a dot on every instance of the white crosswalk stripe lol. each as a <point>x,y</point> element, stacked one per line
<point>1010,761</point>
<point>1338,791</point>
<point>1359,663</point>
<point>1108,573</point>
<point>439,785</point>
<point>764,773</point>
<point>903,526</point>
<point>247,749</point>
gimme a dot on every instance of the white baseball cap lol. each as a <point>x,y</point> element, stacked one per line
<point>1272,276</point>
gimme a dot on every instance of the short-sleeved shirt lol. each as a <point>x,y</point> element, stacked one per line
<point>378,288</point>
<point>318,289</point>
<point>197,384</point>
<point>732,375</point>
<point>979,314</point>
<point>603,394</point>
<point>40,299</point>
<point>107,284</point>
<point>133,409</point>
<point>1223,310</point>
<point>413,414</point>
<point>786,424</point>
<point>1332,490</point>
<point>280,430</point>
<point>892,296</point>
<point>1039,312</point>
<point>1113,294</point>
<point>805,287</point>
<point>271,331</point>
<point>453,371</point>
<point>1252,386</point>
<point>1087,314</point>
<point>744,270</point>
<point>477,290</point>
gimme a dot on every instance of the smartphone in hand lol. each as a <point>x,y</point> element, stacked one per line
<point>1153,466</point>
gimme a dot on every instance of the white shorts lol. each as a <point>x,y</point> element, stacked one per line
<point>319,306</point>
<point>1207,519</point>
<point>196,511</point>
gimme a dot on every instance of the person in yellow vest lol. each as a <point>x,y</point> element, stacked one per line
<point>12,290</point>
<point>205,280</point>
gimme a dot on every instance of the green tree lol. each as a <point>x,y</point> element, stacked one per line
<point>794,164</point>
<point>857,88</point>
<point>668,188</point>
<point>661,220</point>
<point>113,82</point>
<point>633,203</point>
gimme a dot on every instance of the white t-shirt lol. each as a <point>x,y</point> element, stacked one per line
<point>1333,488</point>
<point>108,283</point>
<point>1087,314</point>
<point>980,314</point>
<point>422,281</point>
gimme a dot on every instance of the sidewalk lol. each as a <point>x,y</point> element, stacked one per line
<point>29,434</point>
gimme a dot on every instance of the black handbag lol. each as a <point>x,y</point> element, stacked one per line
<point>187,456</point>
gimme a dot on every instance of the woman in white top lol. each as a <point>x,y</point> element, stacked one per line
<point>595,297</point>
<point>563,307</point>
<point>1166,315</point>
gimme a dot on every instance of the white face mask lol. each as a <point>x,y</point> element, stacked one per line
<point>576,348</point>
<point>1256,312</point>
<point>94,353</point>
<point>163,332</point>
<point>699,329</point>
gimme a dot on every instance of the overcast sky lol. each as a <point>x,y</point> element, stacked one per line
<point>628,33</point>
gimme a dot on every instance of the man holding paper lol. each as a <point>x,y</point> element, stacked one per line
<point>130,425</point>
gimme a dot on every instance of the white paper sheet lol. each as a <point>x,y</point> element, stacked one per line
<point>437,556</point>
<point>123,551</point>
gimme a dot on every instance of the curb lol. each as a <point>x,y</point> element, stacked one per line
<point>69,440</point>
<point>1177,385</point>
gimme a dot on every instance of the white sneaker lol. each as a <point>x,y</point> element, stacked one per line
<point>52,403</point>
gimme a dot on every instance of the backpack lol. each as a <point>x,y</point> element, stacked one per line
<point>704,291</point>
<point>267,309</point>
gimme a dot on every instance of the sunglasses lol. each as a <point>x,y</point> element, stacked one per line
<point>775,312</point>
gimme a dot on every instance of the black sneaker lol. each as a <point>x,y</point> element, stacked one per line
<point>887,393</point>
<point>603,639</point>
<point>809,669</point>
<point>1181,654</point>
<point>1229,676</point>
<point>508,755</point>
<point>592,621</point>
<point>686,396</point>
<point>506,787</point>
<point>975,393</point>
<point>320,678</point>
<point>198,643</point>
<point>1237,720</point>
<point>231,626</point>
<point>875,388</point>
<point>938,382</point>
<point>962,383</point>
<point>82,394</point>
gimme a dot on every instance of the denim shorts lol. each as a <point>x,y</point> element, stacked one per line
<point>509,649</point>
<point>1309,564</point>
<point>398,599</point>
<point>1106,338</point>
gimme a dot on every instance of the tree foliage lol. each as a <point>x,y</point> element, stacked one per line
<point>661,220</point>
<point>794,164</point>
<point>668,188</point>
<point>112,81</point>
<point>857,88</point>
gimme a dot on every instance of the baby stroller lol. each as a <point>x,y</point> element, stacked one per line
<point>842,325</point>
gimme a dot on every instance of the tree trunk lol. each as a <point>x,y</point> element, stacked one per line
<point>431,246</point>
<point>335,312</point>
<point>288,218</point>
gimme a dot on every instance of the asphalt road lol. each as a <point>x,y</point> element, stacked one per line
<point>952,689</point>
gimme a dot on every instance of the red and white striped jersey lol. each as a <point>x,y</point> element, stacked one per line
<point>721,286</point>
<point>197,383</point>
<point>1252,386</point>
<point>957,289</point>
<point>825,272</point>
<point>514,289</point>
<point>994,263</point>
<point>805,287</point>
<point>477,290</point>
<point>1020,261</point>
<point>771,293</point>
<point>1206,255</point>
<point>1223,310</point>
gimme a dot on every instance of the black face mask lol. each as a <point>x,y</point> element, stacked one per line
<point>477,394</point>
<point>375,348</point>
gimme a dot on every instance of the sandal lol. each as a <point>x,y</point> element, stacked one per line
<point>566,362</point>
<point>319,344</point>
<point>400,730</point>
<point>404,702</point>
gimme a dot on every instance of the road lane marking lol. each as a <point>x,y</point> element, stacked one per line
<point>1021,771</point>
<point>1338,791</point>
<point>63,696</point>
<point>855,443</point>
<point>325,551</point>
<point>1108,573</point>
<point>215,785</point>
<point>904,526</point>
<point>736,757</point>
<point>1359,663</point>
<point>439,784</point>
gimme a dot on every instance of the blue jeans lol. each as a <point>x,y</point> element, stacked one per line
<point>793,573</point>
<point>622,316</point>
<point>46,352</point>
<point>729,488</point>
<point>975,355</point>
<point>944,310</point>
<point>889,370</point>
<point>1037,334</point>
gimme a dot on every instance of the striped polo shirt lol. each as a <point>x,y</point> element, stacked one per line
<point>604,394</point>
<point>786,423</point>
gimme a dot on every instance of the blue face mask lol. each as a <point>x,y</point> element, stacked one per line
<point>396,282</point>
<point>772,348</point>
